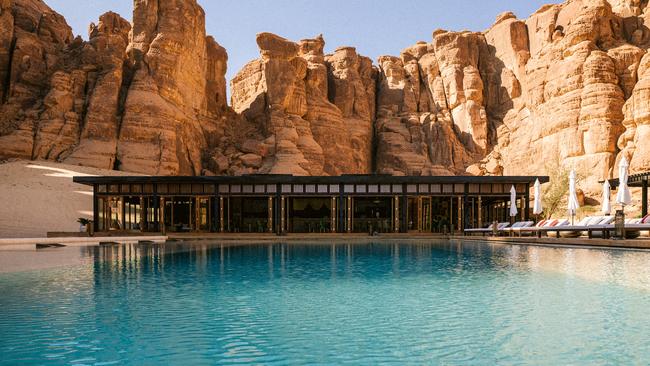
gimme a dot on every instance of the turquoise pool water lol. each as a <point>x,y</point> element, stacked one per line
<point>406,303</point>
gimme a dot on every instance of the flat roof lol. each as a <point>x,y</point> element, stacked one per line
<point>294,179</point>
<point>634,180</point>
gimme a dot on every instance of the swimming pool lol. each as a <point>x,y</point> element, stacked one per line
<point>403,302</point>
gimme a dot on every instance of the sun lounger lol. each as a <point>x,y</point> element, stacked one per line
<point>530,230</point>
<point>486,230</point>
<point>597,226</point>
<point>517,227</point>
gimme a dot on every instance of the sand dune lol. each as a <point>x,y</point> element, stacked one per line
<point>38,196</point>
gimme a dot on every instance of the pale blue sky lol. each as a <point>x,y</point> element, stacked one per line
<point>374,27</point>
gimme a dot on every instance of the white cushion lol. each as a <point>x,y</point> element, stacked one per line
<point>584,221</point>
<point>606,220</point>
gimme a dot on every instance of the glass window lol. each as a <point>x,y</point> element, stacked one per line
<point>148,188</point>
<point>436,188</point>
<point>297,188</point>
<point>397,188</point>
<point>361,188</point>
<point>411,188</point>
<point>271,188</point>
<point>473,188</point>
<point>424,188</point>
<point>224,188</point>
<point>197,188</point>
<point>486,188</point>
<point>459,188</point>
<point>247,188</point>
<point>286,188</point>
<point>334,188</point>
<point>384,188</point>
<point>322,188</point>
<point>373,188</point>
<point>310,188</point>
<point>113,188</point>
<point>259,188</point>
<point>124,188</point>
<point>101,188</point>
<point>348,188</point>
<point>447,188</point>
<point>163,188</point>
<point>208,188</point>
<point>235,188</point>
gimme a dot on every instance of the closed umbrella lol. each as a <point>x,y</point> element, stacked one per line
<point>513,201</point>
<point>623,196</point>
<point>607,205</point>
<point>573,204</point>
<point>537,204</point>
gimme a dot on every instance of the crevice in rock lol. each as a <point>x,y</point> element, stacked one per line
<point>6,83</point>
<point>374,143</point>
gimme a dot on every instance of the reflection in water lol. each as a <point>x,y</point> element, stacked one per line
<point>410,302</point>
<point>623,267</point>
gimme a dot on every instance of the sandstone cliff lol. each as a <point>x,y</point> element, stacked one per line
<point>146,99</point>
<point>570,85</point>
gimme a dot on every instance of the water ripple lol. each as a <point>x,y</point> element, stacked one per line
<point>423,303</point>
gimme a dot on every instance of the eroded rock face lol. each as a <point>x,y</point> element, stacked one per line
<point>431,117</point>
<point>174,80</point>
<point>149,103</point>
<point>306,109</point>
<point>568,85</point>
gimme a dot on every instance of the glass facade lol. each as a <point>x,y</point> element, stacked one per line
<point>281,204</point>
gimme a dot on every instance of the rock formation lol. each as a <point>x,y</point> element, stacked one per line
<point>149,102</point>
<point>308,109</point>
<point>570,85</point>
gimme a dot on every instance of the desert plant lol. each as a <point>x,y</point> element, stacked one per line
<point>556,191</point>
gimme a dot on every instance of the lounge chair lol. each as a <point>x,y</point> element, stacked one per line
<point>530,230</point>
<point>486,230</point>
<point>598,227</point>
<point>517,227</point>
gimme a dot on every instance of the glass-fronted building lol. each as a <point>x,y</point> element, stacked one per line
<point>299,204</point>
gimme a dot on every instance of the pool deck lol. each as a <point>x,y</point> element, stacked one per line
<point>242,238</point>
<point>641,243</point>
<point>31,243</point>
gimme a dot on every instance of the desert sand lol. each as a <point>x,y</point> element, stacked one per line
<point>38,196</point>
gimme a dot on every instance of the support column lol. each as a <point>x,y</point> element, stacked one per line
<point>96,210</point>
<point>282,214</point>
<point>480,212</point>
<point>644,197</point>
<point>161,219</point>
<point>419,218</point>
<point>451,214</point>
<point>459,222</point>
<point>396,214</point>
<point>269,225</point>
<point>333,214</point>
<point>221,221</point>
<point>349,215</point>
<point>403,224</point>
<point>142,214</point>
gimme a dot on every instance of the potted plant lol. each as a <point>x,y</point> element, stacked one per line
<point>85,225</point>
